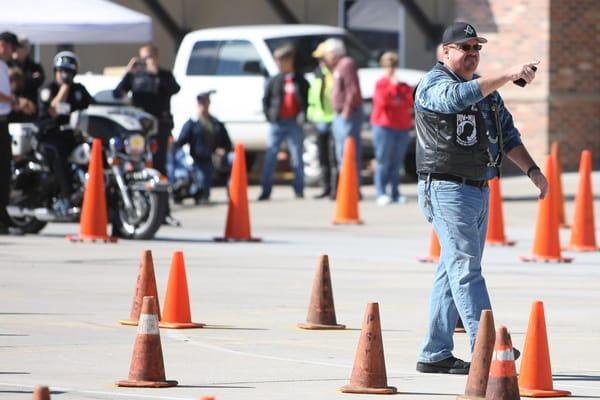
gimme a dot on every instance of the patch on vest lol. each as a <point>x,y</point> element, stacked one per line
<point>466,130</point>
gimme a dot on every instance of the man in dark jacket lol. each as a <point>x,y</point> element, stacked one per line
<point>33,72</point>
<point>207,137</point>
<point>151,89</point>
<point>285,100</point>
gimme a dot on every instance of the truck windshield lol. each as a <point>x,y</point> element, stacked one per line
<point>306,44</point>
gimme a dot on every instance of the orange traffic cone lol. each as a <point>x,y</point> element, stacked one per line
<point>237,227</point>
<point>321,311</point>
<point>434,250</point>
<point>368,373</point>
<point>535,377</point>
<point>560,198</point>
<point>93,220</point>
<point>147,367</point>
<point>41,393</point>
<point>502,382</point>
<point>177,314</point>
<point>495,231</point>
<point>145,286</point>
<point>482,357</point>
<point>346,205</point>
<point>546,246</point>
<point>583,235</point>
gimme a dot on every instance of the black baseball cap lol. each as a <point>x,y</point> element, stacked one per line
<point>460,32</point>
<point>10,38</point>
<point>204,95</point>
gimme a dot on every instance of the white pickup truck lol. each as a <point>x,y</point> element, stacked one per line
<point>235,61</point>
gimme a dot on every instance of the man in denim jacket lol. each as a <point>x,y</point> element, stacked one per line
<point>463,128</point>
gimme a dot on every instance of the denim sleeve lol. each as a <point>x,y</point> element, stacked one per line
<point>511,135</point>
<point>437,92</point>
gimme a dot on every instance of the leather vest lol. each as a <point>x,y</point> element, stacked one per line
<point>454,144</point>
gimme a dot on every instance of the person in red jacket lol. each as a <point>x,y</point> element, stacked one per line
<point>391,120</point>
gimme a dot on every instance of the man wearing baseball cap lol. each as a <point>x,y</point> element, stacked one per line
<point>463,129</point>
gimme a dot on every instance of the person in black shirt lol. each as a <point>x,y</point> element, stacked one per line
<point>207,137</point>
<point>33,72</point>
<point>57,100</point>
<point>151,89</point>
<point>26,111</point>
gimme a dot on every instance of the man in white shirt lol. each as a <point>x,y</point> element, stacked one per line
<point>8,44</point>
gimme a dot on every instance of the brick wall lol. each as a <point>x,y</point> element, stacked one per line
<point>563,102</point>
<point>574,102</point>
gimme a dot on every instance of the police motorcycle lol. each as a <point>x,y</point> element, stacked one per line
<point>137,198</point>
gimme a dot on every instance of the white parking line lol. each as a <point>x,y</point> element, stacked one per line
<point>98,392</point>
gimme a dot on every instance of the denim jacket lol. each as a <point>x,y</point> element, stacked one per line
<point>437,92</point>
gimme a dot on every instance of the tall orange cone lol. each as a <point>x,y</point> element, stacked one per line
<point>560,198</point>
<point>583,235</point>
<point>41,393</point>
<point>321,311</point>
<point>177,314</point>
<point>535,377</point>
<point>237,227</point>
<point>482,357</point>
<point>546,245</point>
<point>368,373</point>
<point>346,205</point>
<point>434,250</point>
<point>495,231</point>
<point>502,381</point>
<point>145,286</point>
<point>147,367</point>
<point>93,220</point>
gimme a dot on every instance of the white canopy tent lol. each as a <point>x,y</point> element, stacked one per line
<point>74,21</point>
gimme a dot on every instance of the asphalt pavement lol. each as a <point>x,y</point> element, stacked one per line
<point>60,302</point>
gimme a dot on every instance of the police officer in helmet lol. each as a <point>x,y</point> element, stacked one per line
<point>57,99</point>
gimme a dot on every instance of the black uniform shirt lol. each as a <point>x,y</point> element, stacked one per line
<point>78,99</point>
<point>34,77</point>
<point>150,92</point>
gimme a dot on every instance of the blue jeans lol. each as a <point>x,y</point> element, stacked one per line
<point>203,175</point>
<point>459,215</point>
<point>280,130</point>
<point>342,128</point>
<point>390,148</point>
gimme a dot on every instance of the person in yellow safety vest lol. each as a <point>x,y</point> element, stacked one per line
<point>320,113</point>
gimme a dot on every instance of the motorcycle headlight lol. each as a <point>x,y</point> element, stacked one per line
<point>135,145</point>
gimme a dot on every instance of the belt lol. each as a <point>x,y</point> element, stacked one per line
<point>453,178</point>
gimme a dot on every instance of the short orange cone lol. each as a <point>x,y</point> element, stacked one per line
<point>346,205</point>
<point>237,227</point>
<point>368,373</point>
<point>145,286</point>
<point>535,377</point>
<point>321,311</point>
<point>177,314</point>
<point>41,393</point>
<point>583,235</point>
<point>434,250</point>
<point>560,198</point>
<point>495,231</point>
<point>502,382</point>
<point>93,219</point>
<point>147,367</point>
<point>546,246</point>
<point>482,357</point>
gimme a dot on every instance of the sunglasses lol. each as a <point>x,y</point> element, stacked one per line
<point>467,47</point>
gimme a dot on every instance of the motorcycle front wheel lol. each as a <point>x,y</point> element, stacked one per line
<point>148,214</point>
